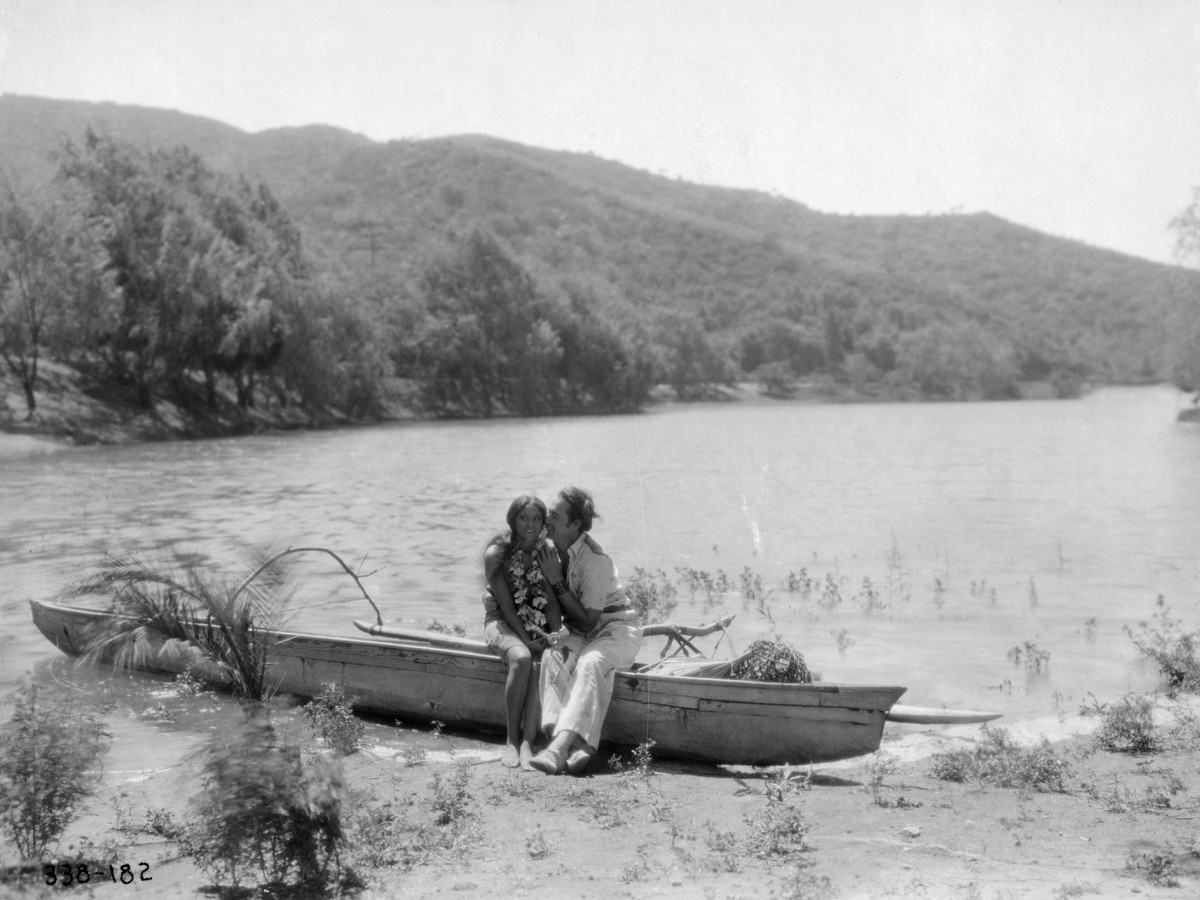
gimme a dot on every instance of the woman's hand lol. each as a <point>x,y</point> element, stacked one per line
<point>555,639</point>
<point>550,564</point>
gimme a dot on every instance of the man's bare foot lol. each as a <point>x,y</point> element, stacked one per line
<point>526,756</point>
<point>511,758</point>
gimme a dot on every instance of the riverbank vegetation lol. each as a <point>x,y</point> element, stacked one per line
<point>288,798</point>
<point>224,281</point>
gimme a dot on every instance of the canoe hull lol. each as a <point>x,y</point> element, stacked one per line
<point>704,719</point>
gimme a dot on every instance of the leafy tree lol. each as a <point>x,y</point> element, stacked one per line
<point>199,267</point>
<point>36,256</point>
<point>693,365</point>
<point>1184,347</point>
<point>957,362</point>
<point>483,309</point>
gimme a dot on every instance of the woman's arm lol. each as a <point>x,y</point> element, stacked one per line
<point>493,562</point>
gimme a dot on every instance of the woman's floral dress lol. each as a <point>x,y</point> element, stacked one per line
<point>528,587</point>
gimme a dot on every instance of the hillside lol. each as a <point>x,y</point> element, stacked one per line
<point>721,284</point>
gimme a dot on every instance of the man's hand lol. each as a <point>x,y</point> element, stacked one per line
<point>550,564</point>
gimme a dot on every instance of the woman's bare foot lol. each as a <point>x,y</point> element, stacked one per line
<point>511,758</point>
<point>526,756</point>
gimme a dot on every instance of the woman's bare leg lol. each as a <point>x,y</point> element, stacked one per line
<point>516,689</point>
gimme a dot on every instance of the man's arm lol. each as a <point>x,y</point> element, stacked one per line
<point>574,607</point>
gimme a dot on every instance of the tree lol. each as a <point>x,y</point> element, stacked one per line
<point>1184,347</point>
<point>201,267</point>
<point>35,251</point>
<point>485,341</point>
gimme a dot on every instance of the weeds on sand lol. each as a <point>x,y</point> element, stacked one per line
<point>46,753</point>
<point>1158,867</point>
<point>1174,650</point>
<point>640,764</point>
<point>330,716</point>
<point>1000,762</point>
<point>1128,727</point>
<point>1073,889</point>
<point>881,767</point>
<point>451,802</point>
<point>779,829</point>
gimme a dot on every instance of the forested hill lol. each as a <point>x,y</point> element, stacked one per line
<point>683,284</point>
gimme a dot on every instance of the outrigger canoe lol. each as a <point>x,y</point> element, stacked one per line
<point>429,676</point>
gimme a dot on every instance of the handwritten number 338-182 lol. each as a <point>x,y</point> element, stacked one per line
<point>68,875</point>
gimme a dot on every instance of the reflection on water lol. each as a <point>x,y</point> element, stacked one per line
<point>979,526</point>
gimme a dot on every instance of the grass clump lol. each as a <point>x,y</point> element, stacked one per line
<point>1164,640</point>
<point>1128,727</point>
<point>1000,762</point>
<point>46,752</point>
<point>264,816</point>
<point>331,717</point>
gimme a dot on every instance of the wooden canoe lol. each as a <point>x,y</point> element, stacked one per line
<point>461,683</point>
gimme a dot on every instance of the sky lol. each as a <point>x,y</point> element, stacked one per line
<point>1079,118</point>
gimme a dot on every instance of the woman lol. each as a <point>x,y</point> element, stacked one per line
<point>519,609</point>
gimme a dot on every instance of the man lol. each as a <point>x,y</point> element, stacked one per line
<point>604,635</point>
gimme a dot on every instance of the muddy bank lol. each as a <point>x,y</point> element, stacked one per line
<point>876,827</point>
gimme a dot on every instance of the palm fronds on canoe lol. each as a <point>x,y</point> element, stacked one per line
<point>172,609</point>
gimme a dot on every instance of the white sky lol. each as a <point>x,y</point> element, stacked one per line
<point>1078,118</point>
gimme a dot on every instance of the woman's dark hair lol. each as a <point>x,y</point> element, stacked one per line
<point>507,540</point>
<point>580,506</point>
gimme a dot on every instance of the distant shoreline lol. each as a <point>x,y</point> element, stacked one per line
<point>73,411</point>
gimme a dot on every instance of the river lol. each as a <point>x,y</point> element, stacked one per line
<point>1047,526</point>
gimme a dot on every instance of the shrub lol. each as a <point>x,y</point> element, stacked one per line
<point>1171,647</point>
<point>46,751</point>
<point>1127,727</point>
<point>331,717</point>
<point>261,809</point>
<point>999,761</point>
<point>777,831</point>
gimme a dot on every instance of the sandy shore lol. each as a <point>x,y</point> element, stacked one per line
<point>875,827</point>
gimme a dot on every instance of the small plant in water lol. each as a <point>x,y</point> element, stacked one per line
<point>1164,641</point>
<point>842,639</point>
<point>653,594</point>
<point>798,583</point>
<point>331,717</point>
<point>939,593</point>
<point>869,598</point>
<point>1031,656</point>
<point>831,594</point>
